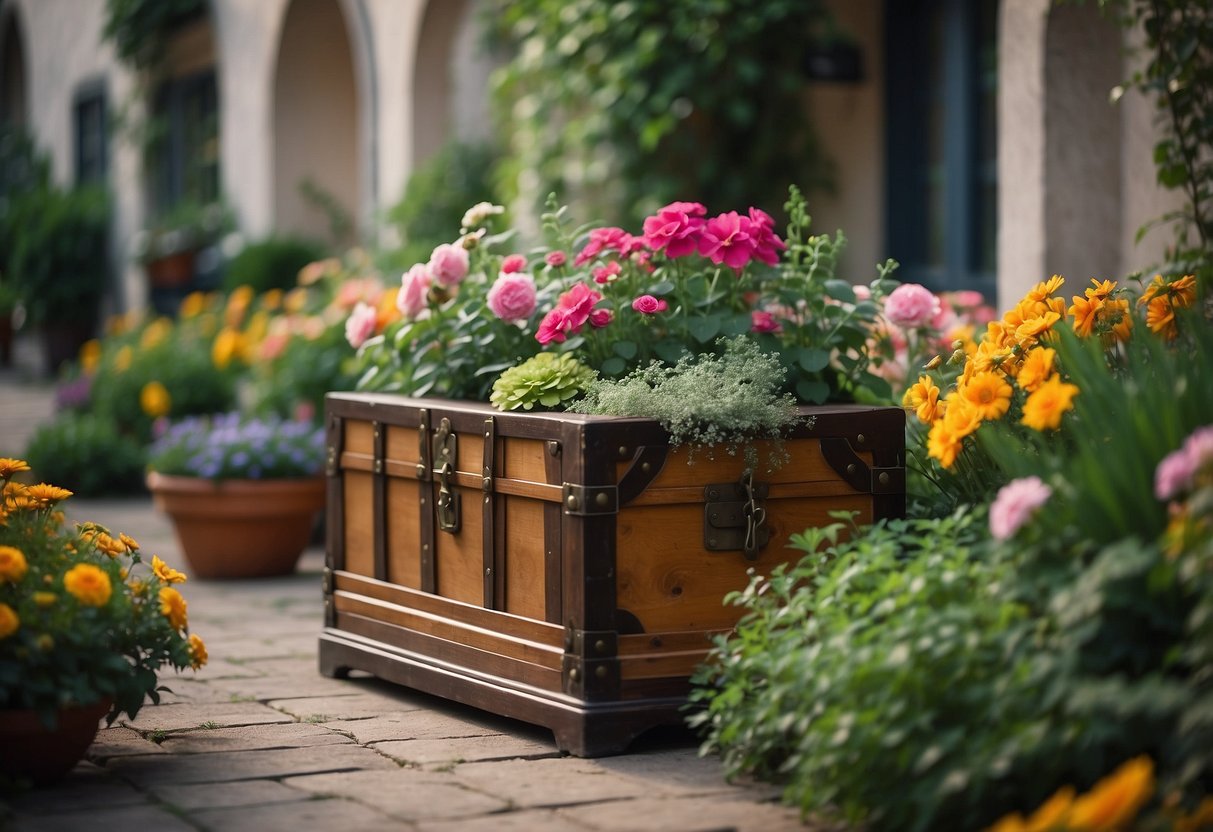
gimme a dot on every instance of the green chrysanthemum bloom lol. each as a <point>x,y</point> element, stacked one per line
<point>546,379</point>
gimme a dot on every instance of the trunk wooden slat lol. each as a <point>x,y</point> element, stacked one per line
<point>562,569</point>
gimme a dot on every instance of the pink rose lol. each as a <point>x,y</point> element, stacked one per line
<point>607,273</point>
<point>449,264</point>
<point>862,292</point>
<point>555,259</point>
<point>1015,504</point>
<point>513,263</point>
<point>512,297</point>
<point>414,289</point>
<point>649,305</point>
<point>675,228</point>
<point>360,325</point>
<point>764,322</point>
<point>726,239</point>
<point>911,305</point>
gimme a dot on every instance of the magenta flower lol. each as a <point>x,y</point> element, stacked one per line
<point>649,305</point>
<point>555,258</point>
<point>607,239</point>
<point>607,273</point>
<point>449,264</point>
<point>767,244</point>
<point>573,310</point>
<point>675,228</point>
<point>513,263</point>
<point>553,327</point>
<point>911,306</point>
<point>360,325</point>
<point>414,289</point>
<point>726,239</point>
<point>1015,504</point>
<point>512,297</point>
<point>764,322</point>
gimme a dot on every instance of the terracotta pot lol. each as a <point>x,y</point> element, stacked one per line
<point>31,751</point>
<point>172,270</point>
<point>239,528</point>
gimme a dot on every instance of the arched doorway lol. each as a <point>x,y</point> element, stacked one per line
<point>317,162</point>
<point>13,91</point>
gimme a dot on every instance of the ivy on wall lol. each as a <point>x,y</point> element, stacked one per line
<point>629,105</point>
<point>139,29</point>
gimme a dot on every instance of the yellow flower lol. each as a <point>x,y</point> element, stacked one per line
<point>90,356</point>
<point>272,299</point>
<point>1043,291</point>
<point>923,399</point>
<point>1116,313</point>
<point>45,599</point>
<point>1008,823</point>
<point>45,642</point>
<point>228,346</point>
<point>1044,408</point>
<point>237,304</point>
<point>122,359</point>
<point>155,333</point>
<point>1085,311</point>
<point>295,300</point>
<point>46,495</point>
<point>12,564</point>
<point>1032,328</point>
<point>165,572</point>
<point>172,607</point>
<point>1182,291</point>
<point>89,584</point>
<point>154,400</point>
<point>1114,801</point>
<point>988,394</point>
<point>1037,366</point>
<point>198,655</point>
<point>1052,812</point>
<point>10,466</point>
<point>128,542</point>
<point>192,306</point>
<point>9,622</point>
<point>1101,289</point>
<point>943,445</point>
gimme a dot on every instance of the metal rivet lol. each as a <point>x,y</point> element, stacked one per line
<point>574,674</point>
<point>713,494</point>
<point>601,671</point>
<point>425,547</point>
<point>572,502</point>
<point>623,450</point>
<point>646,467</point>
<point>487,499</point>
<point>488,570</point>
<point>851,468</point>
<point>554,448</point>
<point>487,484</point>
<point>423,500</point>
<point>420,471</point>
<point>861,439</point>
<point>883,478</point>
<point>600,646</point>
<point>602,500</point>
<point>711,541</point>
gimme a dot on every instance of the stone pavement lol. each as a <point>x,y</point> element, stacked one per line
<point>259,740</point>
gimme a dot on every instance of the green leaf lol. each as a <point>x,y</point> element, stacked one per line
<point>840,290</point>
<point>625,349</point>
<point>662,287</point>
<point>613,367</point>
<point>812,359</point>
<point>705,329</point>
<point>812,392</point>
<point>669,351</point>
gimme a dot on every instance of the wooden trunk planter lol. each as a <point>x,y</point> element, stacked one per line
<point>561,569</point>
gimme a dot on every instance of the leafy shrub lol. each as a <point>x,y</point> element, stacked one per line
<point>273,263</point>
<point>85,453</point>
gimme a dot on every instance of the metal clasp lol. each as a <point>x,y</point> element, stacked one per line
<point>755,518</point>
<point>734,516</point>
<point>448,503</point>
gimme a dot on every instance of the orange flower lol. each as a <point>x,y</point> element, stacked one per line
<point>12,564</point>
<point>1037,366</point>
<point>943,445</point>
<point>46,495</point>
<point>923,399</point>
<point>10,466</point>
<point>9,622</point>
<point>128,542</point>
<point>165,572</point>
<point>988,394</point>
<point>1044,408</point>
<point>172,607</point>
<point>90,356</point>
<point>1085,311</point>
<point>104,542</point>
<point>198,655</point>
<point>1052,811</point>
<point>1160,318</point>
<point>1114,801</point>
<point>89,584</point>
<point>155,400</point>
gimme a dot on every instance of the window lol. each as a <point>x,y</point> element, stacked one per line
<point>942,187</point>
<point>90,134</point>
<point>185,150</point>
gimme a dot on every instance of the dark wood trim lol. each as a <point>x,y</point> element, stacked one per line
<point>493,567</point>
<point>379,500</point>
<point>425,504</point>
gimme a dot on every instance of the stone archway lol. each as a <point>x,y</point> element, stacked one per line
<point>316,123</point>
<point>14,107</point>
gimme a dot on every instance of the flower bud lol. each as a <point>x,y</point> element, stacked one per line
<point>934,362</point>
<point>957,357</point>
<point>958,344</point>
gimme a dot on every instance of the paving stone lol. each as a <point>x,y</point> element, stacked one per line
<point>407,794</point>
<point>412,725</point>
<point>528,820</point>
<point>251,738</point>
<point>678,771</point>
<point>118,741</point>
<point>689,814</point>
<point>247,765</point>
<point>293,817</point>
<point>241,793</point>
<point>549,782</point>
<point>185,689</point>
<point>182,716</point>
<point>266,688</point>
<point>121,817</point>
<point>354,704</point>
<point>443,753</point>
<point>86,786</point>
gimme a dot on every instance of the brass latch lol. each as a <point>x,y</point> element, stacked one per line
<point>734,517</point>
<point>448,503</point>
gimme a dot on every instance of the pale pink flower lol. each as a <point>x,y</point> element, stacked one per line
<point>1015,504</point>
<point>1178,469</point>
<point>414,289</point>
<point>726,239</point>
<point>649,305</point>
<point>607,273</point>
<point>862,292</point>
<point>449,264</point>
<point>512,297</point>
<point>273,345</point>
<point>607,239</point>
<point>360,325</point>
<point>555,258</point>
<point>911,305</point>
<point>513,263</point>
<point>761,321</point>
<point>675,228</point>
